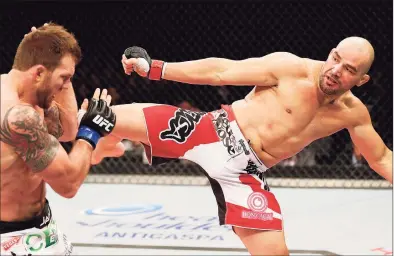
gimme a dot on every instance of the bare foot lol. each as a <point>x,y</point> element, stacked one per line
<point>105,149</point>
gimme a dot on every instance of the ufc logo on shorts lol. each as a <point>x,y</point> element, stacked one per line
<point>101,121</point>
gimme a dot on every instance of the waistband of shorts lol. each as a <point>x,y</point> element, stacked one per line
<point>240,138</point>
<point>40,221</point>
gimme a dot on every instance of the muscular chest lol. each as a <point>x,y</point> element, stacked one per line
<point>13,171</point>
<point>297,98</point>
<point>288,108</point>
<point>8,157</point>
<point>328,120</point>
<point>322,125</point>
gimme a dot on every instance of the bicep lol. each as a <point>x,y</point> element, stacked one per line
<point>24,130</point>
<point>368,141</point>
<point>264,71</point>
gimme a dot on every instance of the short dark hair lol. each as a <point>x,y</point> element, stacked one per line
<point>46,46</point>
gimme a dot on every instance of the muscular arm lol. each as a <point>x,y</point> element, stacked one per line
<point>371,145</point>
<point>24,130</point>
<point>61,117</point>
<point>264,71</point>
<point>52,121</point>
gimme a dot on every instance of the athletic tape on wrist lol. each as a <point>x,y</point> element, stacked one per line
<point>80,114</point>
<point>163,70</point>
<point>156,69</point>
<point>89,135</point>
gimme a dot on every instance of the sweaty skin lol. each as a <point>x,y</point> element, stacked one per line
<point>22,190</point>
<point>31,154</point>
<point>295,101</point>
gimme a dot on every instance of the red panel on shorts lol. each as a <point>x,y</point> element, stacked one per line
<point>256,187</point>
<point>242,217</point>
<point>255,216</point>
<point>173,131</point>
<point>230,112</point>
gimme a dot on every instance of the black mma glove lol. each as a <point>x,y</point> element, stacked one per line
<point>155,71</point>
<point>98,121</point>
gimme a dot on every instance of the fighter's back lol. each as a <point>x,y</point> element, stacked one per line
<point>22,192</point>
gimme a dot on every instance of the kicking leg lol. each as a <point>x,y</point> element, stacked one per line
<point>130,122</point>
<point>130,125</point>
<point>260,242</point>
<point>108,146</point>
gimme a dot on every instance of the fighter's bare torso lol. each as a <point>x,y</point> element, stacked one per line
<point>22,192</point>
<point>281,120</point>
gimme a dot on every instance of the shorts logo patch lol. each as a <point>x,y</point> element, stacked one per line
<point>182,125</point>
<point>11,242</point>
<point>224,132</point>
<point>257,202</point>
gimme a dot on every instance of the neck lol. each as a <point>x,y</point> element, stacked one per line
<point>23,84</point>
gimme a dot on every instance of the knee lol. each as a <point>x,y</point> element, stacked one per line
<point>260,242</point>
<point>280,250</point>
<point>269,249</point>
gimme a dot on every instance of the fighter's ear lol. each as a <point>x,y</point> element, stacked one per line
<point>38,72</point>
<point>363,80</point>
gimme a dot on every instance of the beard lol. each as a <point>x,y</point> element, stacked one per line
<point>325,88</point>
<point>329,90</point>
<point>44,95</point>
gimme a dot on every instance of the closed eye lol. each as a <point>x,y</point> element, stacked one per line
<point>351,70</point>
<point>66,78</point>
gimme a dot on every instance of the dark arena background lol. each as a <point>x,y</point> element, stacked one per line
<point>331,201</point>
<point>187,30</point>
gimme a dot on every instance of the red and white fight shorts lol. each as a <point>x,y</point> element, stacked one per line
<point>214,141</point>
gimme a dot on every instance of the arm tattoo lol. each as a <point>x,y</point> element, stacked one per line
<point>24,129</point>
<point>52,120</point>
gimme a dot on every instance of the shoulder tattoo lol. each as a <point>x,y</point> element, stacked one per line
<point>24,129</point>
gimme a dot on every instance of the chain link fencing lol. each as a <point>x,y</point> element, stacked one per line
<point>181,31</point>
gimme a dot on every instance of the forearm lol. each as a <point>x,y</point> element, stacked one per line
<point>52,121</point>
<point>384,167</point>
<point>80,161</point>
<point>204,71</point>
<point>68,109</point>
